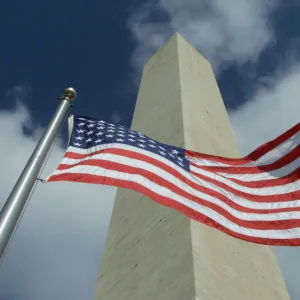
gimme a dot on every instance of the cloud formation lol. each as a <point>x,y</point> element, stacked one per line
<point>56,250</point>
<point>116,118</point>
<point>270,112</point>
<point>224,31</point>
<point>18,92</point>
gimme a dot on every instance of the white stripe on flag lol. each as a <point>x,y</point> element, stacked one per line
<point>129,161</point>
<point>269,158</point>
<point>162,191</point>
<point>273,190</point>
<point>254,191</point>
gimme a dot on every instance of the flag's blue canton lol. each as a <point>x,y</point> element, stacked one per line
<point>89,133</point>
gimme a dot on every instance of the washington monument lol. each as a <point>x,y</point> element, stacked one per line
<point>155,253</point>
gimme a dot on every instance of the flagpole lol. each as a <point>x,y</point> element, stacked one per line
<point>15,205</point>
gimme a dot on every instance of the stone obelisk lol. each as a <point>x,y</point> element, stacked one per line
<point>155,253</point>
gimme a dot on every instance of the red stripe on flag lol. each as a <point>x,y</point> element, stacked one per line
<point>256,198</point>
<point>87,178</point>
<point>280,163</point>
<point>290,178</point>
<point>109,165</point>
<point>131,154</point>
<point>253,156</point>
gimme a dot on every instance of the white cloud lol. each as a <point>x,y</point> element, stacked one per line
<point>59,241</point>
<point>116,118</point>
<point>224,31</point>
<point>18,92</point>
<point>270,112</point>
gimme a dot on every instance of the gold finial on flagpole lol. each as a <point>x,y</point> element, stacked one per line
<point>68,93</point>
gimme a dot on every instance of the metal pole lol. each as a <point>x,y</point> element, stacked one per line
<point>17,201</point>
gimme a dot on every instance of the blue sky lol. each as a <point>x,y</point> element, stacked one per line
<point>56,44</point>
<point>99,48</point>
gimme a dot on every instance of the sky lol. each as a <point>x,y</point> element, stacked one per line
<point>99,48</point>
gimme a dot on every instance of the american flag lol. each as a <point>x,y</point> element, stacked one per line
<point>255,198</point>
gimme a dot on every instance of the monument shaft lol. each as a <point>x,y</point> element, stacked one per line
<point>155,253</point>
